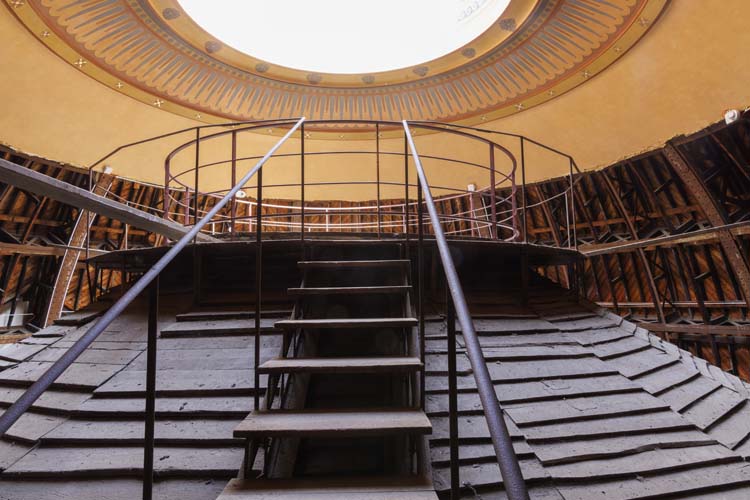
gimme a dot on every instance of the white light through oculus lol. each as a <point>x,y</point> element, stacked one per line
<point>345,36</point>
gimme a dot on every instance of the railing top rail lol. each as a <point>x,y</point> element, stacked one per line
<point>44,382</point>
<point>506,457</point>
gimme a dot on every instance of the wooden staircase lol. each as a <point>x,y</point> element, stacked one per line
<point>346,381</point>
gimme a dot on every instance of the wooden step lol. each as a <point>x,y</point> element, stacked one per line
<point>336,264</point>
<point>350,290</point>
<point>333,423</point>
<point>216,328</point>
<point>293,324</point>
<point>350,488</point>
<point>218,315</point>
<point>341,365</point>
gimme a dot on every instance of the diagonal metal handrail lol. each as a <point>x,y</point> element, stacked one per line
<point>28,398</point>
<point>510,469</point>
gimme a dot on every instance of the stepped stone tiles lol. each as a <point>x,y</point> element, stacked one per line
<point>596,407</point>
<point>88,428</point>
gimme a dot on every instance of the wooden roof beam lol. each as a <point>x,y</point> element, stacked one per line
<point>29,180</point>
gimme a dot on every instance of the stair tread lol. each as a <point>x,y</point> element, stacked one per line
<point>333,423</point>
<point>341,365</point>
<point>374,488</point>
<point>347,323</point>
<point>324,264</point>
<point>348,290</point>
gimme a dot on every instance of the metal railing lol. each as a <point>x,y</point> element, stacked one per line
<point>513,481</point>
<point>151,277</point>
<point>501,216</point>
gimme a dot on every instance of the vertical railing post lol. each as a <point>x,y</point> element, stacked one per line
<point>302,184</point>
<point>187,206</point>
<point>167,199</point>
<point>420,294</point>
<point>493,196</point>
<point>573,205</point>
<point>523,191</point>
<point>258,285</point>
<point>148,445</point>
<point>406,190</point>
<point>197,170</point>
<point>453,397</point>
<point>233,213</point>
<point>377,173</point>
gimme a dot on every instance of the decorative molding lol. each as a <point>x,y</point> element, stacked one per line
<point>152,51</point>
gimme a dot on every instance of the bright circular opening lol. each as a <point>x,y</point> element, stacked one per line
<point>345,36</point>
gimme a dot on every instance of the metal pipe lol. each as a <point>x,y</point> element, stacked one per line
<point>302,183</point>
<point>148,444</point>
<point>377,173</point>
<point>506,455</point>
<point>28,398</point>
<point>493,195</point>
<point>453,400</point>
<point>234,181</point>
<point>197,164</point>
<point>523,192</point>
<point>258,284</point>
<point>420,295</point>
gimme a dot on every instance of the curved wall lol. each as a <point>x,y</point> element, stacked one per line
<point>682,76</point>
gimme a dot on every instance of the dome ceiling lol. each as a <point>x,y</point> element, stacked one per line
<point>153,51</point>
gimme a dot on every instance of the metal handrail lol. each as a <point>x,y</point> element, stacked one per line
<point>506,456</point>
<point>28,398</point>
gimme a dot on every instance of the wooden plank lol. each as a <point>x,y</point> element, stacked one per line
<point>483,475</point>
<point>336,264</point>
<point>647,462</point>
<point>476,452</point>
<point>216,328</point>
<point>181,383</point>
<point>19,352</point>
<point>609,447</point>
<point>608,426</point>
<point>350,290</point>
<point>582,408</point>
<point>695,482</point>
<point>347,323</point>
<point>109,461</point>
<point>77,376</point>
<point>471,428</point>
<point>734,429</point>
<point>506,371</point>
<point>200,359</point>
<point>36,182</point>
<point>225,314</point>
<point>642,362</point>
<point>718,404</point>
<point>96,356</point>
<point>81,317</point>
<point>667,377</point>
<point>32,426</point>
<point>527,392</point>
<point>10,453</point>
<point>314,423</point>
<point>382,488</point>
<point>511,326</point>
<point>684,395</point>
<point>192,406</point>
<point>342,365</point>
<point>192,432</point>
<point>52,401</point>
<point>110,488</point>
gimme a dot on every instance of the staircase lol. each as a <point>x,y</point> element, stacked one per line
<point>341,416</point>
